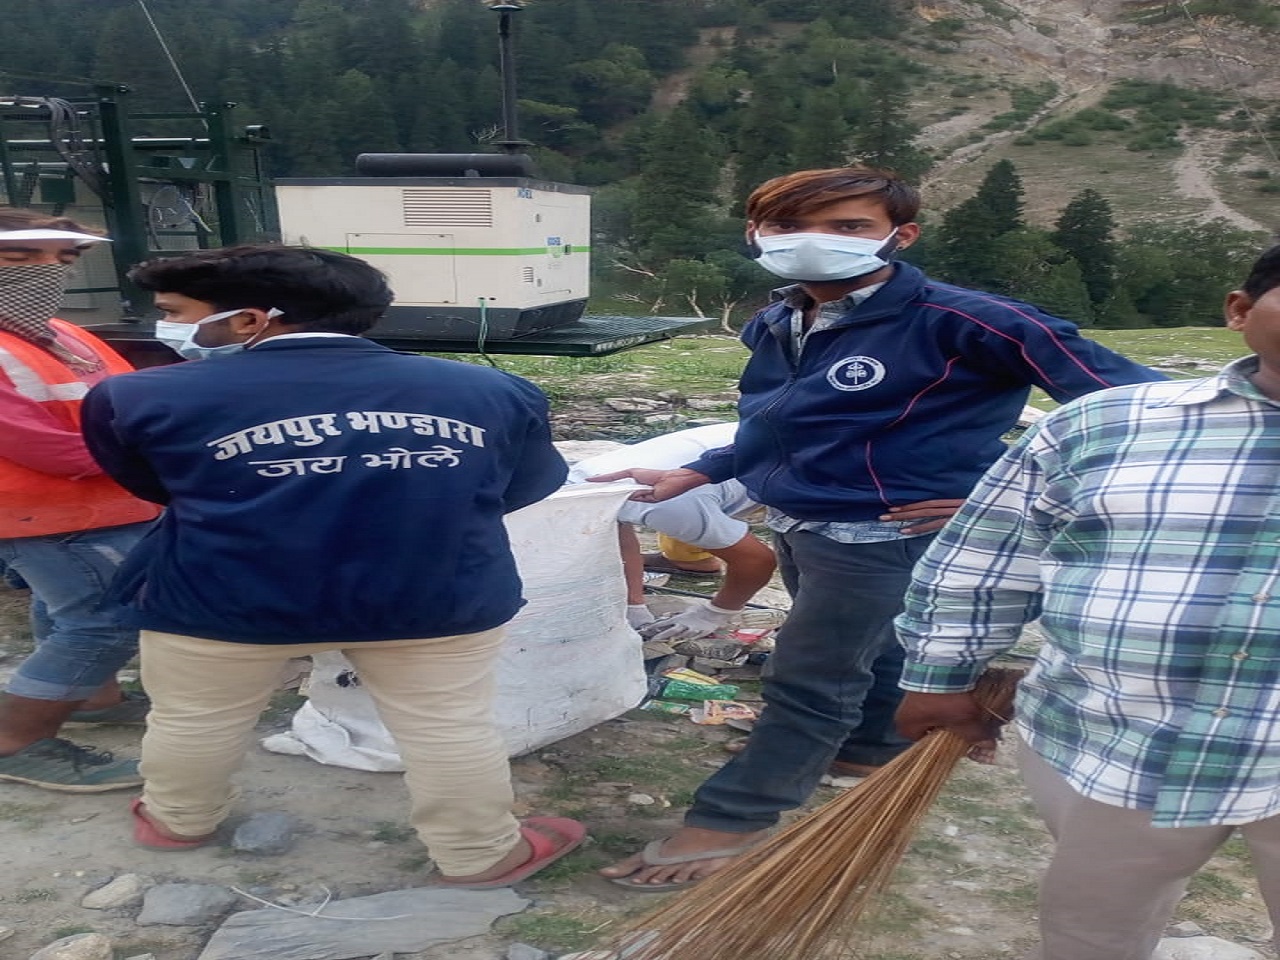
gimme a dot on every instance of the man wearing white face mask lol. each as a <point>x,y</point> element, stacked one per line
<point>65,527</point>
<point>873,401</point>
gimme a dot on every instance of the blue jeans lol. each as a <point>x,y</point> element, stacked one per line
<point>83,641</point>
<point>832,686</point>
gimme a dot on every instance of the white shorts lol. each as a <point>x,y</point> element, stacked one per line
<point>705,517</point>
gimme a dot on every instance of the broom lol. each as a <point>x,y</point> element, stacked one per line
<point>796,895</point>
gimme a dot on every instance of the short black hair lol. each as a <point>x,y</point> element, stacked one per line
<point>1265,274</point>
<point>313,289</point>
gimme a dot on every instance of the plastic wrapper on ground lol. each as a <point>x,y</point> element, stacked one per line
<point>569,660</point>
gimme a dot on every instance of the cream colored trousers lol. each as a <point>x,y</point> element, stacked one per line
<point>435,697</point>
<point>1115,880</point>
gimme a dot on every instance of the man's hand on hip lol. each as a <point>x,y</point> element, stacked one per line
<point>931,514</point>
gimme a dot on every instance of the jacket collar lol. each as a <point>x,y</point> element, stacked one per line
<point>891,299</point>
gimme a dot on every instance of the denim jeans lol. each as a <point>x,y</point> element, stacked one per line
<point>82,642</point>
<point>832,686</point>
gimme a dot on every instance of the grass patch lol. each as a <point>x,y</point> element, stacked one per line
<point>25,814</point>
<point>585,860</point>
<point>555,931</point>
<point>387,832</point>
<point>33,895</point>
<point>894,915</point>
<point>282,707</point>
<point>1208,885</point>
<point>937,848</point>
<point>1021,897</point>
<point>59,932</point>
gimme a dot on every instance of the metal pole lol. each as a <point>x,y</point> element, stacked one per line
<point>124,210</point>
<point>510,142</point>
<point>510,121</point>
<point>6,169</point>
<point>222,154</point>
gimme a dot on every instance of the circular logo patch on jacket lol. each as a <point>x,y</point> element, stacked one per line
<point>855,373</point>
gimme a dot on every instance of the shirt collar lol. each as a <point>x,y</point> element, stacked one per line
<point>1234,379</point>
<point>796,298</point>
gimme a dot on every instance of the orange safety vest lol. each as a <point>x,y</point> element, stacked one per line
<point>32,503</point>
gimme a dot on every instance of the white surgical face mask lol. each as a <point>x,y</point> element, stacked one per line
<point>816,257</point>
<point>181,337</point>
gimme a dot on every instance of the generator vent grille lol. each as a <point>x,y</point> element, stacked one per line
<point>526,274</point>
<point>447,207</point>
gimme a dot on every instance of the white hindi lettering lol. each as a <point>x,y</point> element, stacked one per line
<point>298,466</point>
<point>315,428</point>
<point>423,424</point>
<point>308,429</point>
<point>400,458</point>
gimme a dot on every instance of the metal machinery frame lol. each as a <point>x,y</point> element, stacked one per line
<point>56,152</point>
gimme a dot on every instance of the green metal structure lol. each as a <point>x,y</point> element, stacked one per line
<point>94,159</point>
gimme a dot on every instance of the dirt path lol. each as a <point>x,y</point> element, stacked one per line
<point>1193,178</point>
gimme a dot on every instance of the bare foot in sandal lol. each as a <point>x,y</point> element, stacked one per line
<point>687,856</point>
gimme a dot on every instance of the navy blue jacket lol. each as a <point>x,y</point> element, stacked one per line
<point>323,489</point>
<point>904,400</point>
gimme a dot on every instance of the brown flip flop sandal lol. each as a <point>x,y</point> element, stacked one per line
<point>652,856</point>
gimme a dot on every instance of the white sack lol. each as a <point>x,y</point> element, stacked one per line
<point>569,660</point>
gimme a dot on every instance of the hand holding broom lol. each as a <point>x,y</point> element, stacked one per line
<point>794,896</point>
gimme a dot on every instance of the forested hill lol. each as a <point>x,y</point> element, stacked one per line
<point>1050,129</point>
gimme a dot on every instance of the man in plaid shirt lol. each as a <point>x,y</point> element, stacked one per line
<point>1141,524</point>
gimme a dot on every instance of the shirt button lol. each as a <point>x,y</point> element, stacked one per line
<point>1261,597</point>
<point>1222,712</point>
<point>1240,655</point>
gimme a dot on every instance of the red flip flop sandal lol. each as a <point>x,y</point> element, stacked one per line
<point>550,837</point>
<point>146,835</point>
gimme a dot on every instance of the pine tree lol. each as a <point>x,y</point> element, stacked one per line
<point>967,251</point>
<point>1086,230</point>
<point>1035,270</point>
<point>676,190</point>
<point>764,141</point>
<point>820,133</point>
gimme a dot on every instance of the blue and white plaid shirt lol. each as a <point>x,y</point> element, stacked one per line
<point>1142,525</point>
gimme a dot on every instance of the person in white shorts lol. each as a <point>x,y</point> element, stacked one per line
<point>708,517</point>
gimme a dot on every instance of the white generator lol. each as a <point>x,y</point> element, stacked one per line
<point>474,247</point>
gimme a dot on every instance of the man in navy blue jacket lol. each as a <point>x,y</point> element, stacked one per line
<point>873,401</point>
<point>322,493</point>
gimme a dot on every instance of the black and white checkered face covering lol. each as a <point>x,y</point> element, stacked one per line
<point>29,297</point>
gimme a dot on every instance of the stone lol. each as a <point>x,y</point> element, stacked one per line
<point>1202,948</point>
<point>6,932</point>
<point>142,956</point>
<point>400,921</point>
<point>708,403</point>
<point>82,946</point>
<point>523,951</point>
<point>632,404</point>
<point>1185,928</point>
<point>266,834</point>
<point>185,904</point>
<point>124,891</point>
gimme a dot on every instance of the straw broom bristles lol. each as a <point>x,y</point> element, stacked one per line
<point>794,896</point>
